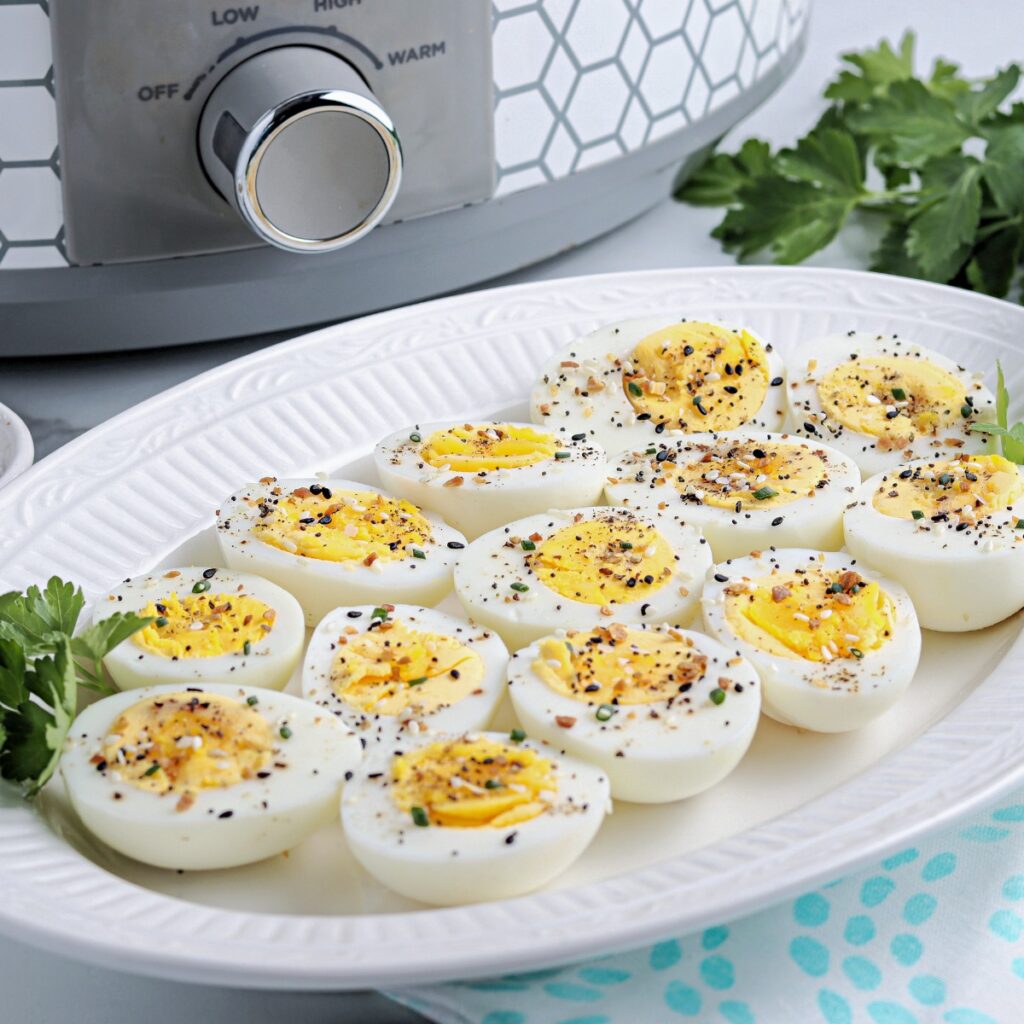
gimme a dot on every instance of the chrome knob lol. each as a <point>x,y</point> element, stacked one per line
<point>295,140</point>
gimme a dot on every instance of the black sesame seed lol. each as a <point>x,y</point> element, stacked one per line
<point>208,574</point>
<point>776,382</point>
<point>721,578</point>
<point>456,545</point>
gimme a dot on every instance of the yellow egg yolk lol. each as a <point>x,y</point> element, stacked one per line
<point>606,560</point>
<point>204,625</point>
<point>393,669</point>
<point>893,397</point>
<point>964,489</point>
<point>618,665</point>
<point>472,783</point>
<point>343,526</point>
<point>818,614</point>
<point>482,449</point>
<point>760,474</point>
<point>698,376</point>
<point>186,742</point>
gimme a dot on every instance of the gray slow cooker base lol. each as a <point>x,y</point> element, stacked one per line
<point>255,291</point>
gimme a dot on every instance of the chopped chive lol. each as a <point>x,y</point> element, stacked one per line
<point>899,394</point>
<point>528,545</point>
<point>286,733</point>
<point>625,545</point>
<point>1020,524</point>
<point>151,770</point>
<point>379,613</point>
<point>492,784</point>
<point>418,553</point>
<point>717,695</point>
<point>835,588</point>
<point>517,735</point>
<point>521,588</point>
<point>247,647</point>
<point>917,514</point>
<point>698,403</point>
<point>562,455</point>
<point>764,493</point>
<point>604,712</point>
<point>419,817</point>
<point>966,411</point>
<point>419,681</point>
<point>201,587</point>
<point>946,479</point>
<point>857,652</point>
<point>651,451</point>
<point>161,621</point>
<point>252,701</point>
<point>635,389</point>
<point>415,437</point>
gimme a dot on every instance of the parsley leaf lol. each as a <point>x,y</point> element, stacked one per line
<point>910,124</point>
<point>940,234</point>
<point>875,70</point>
<point>35,728</point>
<point>800,207</point>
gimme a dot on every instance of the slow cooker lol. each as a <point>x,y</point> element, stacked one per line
<point>180,170</point>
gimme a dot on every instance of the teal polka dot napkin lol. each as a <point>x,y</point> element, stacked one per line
<point>934,933</point>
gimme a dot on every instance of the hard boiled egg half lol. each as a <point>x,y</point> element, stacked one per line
<point>478,476</point>
<point>952,532</point>
<point>205,776</point>
<point>575,567</point>
<point>334,542</point>
<point>395,669</point>
<point>665,713</point>
<point>481,816</point>
<point>884,400</point>
<point>744,491</point>
<point>834,644</point>
<point>628,383</point>
<point>209,625</point>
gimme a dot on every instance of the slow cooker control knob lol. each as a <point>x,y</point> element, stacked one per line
<point>295,140</point>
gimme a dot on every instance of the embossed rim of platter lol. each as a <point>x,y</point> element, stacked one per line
<point>188,446</point>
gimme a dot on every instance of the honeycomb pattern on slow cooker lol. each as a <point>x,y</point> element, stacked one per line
<point>572,89</point>
<point>575,86</point>
<point>31,215</point>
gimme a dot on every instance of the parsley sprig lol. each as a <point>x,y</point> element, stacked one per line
<point>42,664</point>
<point>1011,438</point>
<point>897,145</point>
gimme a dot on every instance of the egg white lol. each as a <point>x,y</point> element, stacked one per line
<point>489,500</point>
<point>490,566</point>
<point>815,520</point>
<point>808,418</point>
<point>959,578</point>
<point>472,713</point>
<point>321,585</point>
<point>607,415</point>
<point>267,816</point>
<point>789,691</point>
<point>446,866</point>
<point>651,753</point>
<point>269,664</point>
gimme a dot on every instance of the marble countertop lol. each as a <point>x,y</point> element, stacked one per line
<point>60,397</point>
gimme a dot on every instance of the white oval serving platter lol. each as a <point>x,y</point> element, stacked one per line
<point>140,491</point>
